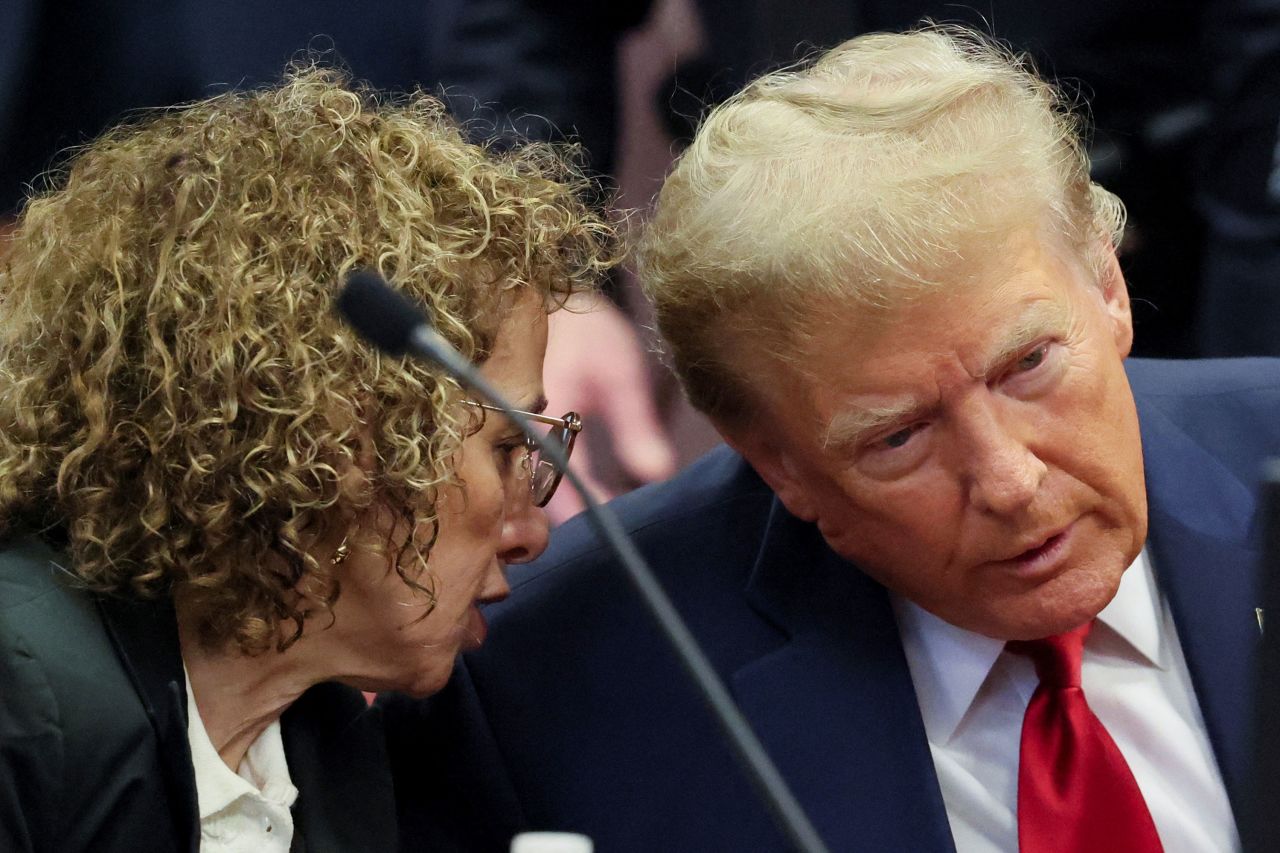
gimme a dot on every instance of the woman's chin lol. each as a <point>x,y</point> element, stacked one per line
<point>418,686</point>
<point>421,690</point>
<point>418,683</point>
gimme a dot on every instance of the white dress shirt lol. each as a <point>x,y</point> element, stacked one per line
<point>973,695</point>
<point>245,812</point>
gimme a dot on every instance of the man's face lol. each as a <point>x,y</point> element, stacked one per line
<point>976,451</point>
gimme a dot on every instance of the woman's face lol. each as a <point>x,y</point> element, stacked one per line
<point>484,524</point>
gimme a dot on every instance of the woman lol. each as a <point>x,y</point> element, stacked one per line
<point>222,515</point>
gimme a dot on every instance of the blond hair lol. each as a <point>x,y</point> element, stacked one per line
<point>865,177</point>
<point>177,397</point>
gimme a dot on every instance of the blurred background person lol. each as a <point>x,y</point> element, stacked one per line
<point>222,515</point>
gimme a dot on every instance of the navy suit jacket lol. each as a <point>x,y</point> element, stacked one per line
<point>576,716</point>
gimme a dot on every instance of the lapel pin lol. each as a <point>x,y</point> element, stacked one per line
<point>1258,612</point>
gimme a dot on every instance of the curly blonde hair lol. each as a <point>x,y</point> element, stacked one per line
<point>864,178</point>
<point>177,397</point>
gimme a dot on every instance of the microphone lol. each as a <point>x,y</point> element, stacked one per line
<point>395,325</point>
<point>391,322</point>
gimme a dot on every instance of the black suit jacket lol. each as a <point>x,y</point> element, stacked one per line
<point>93,729</point>
<point>575,715</point>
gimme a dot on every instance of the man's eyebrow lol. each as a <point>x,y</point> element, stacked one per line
<point>852,426</point>
<point>1034,322</point>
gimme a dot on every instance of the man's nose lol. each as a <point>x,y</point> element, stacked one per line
<point>1004,472</point>
<point>525,530</point>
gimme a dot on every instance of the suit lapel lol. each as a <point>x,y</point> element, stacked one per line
<point>145,636</point>
<point>1204,555</point>
<point>835,705</point>
<point>338,759</point>
<point>333,743</point>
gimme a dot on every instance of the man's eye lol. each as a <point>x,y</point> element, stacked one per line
<point>1032,360</point>
<point>899,438</point>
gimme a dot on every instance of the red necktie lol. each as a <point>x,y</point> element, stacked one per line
<point>1075,790</point>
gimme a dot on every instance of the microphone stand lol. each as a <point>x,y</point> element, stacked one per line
<point>786,810</point>
<point>387,319</point>
<point>1260,826</point>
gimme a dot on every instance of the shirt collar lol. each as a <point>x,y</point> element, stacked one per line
<point>264,772</point>
<point>1135,614</point>
<point>949,665</point>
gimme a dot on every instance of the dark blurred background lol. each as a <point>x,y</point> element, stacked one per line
<point>1184,96</point>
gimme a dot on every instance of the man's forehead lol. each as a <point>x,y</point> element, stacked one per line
<point>832,349</point>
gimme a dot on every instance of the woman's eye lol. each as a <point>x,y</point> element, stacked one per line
<point>508,451</point>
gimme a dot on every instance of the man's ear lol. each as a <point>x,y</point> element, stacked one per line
<point>1115,295</point>
<point>776,466</point>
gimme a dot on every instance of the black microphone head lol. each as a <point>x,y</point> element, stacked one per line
<point>380,314</point>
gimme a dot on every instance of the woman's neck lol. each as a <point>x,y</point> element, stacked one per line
<point>239,696</point>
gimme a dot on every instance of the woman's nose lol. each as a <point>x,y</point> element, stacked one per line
<point>525,531</point>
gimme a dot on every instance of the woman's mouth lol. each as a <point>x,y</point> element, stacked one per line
<point>474,629</point>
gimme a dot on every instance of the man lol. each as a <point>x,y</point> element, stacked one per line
<point>955,544</point>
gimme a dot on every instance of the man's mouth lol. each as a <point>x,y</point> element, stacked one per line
<point>1046,554</point>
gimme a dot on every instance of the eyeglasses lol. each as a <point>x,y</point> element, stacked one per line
<point>544,474</point>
